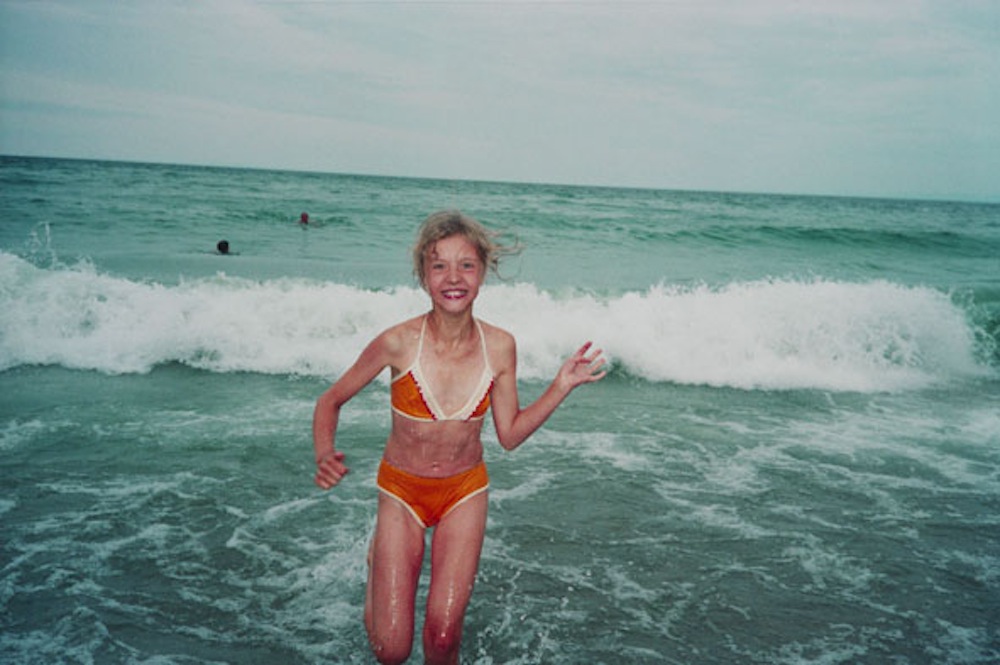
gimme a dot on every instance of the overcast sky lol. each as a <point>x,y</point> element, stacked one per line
<point>855,97</point>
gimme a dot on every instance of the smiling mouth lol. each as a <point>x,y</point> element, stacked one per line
<point>454,294</point>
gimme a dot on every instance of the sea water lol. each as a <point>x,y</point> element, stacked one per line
<point>795,458</point>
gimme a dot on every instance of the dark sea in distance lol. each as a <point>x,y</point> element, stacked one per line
<point>795,459</point>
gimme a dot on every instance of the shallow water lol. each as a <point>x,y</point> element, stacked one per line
<point>794,460</point>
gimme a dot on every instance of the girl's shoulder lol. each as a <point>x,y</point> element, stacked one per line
<point>495,333</point>
<point>400,339</point>
<point>500,344</point>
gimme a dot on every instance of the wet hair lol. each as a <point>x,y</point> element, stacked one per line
<point>223,247</point>
<point>447,223</point>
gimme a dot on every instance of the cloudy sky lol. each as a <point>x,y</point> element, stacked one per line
<point>855,97</point>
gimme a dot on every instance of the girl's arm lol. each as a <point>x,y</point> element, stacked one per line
<point>330,466</point>
<point>515,424</point>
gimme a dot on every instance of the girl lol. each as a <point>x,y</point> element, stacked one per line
<point>448,369</point>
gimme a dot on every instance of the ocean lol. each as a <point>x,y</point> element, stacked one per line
<point>795,458</point>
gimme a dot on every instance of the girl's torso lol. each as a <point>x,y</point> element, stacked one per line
<point>439,402</point>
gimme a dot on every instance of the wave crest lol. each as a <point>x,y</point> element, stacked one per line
<point>776,334</point>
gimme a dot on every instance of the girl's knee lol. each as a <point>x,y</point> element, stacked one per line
<point>441,641</point>
<point>390,652</point>
<point>389,647</point>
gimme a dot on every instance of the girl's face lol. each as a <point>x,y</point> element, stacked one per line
<point>453,273</point>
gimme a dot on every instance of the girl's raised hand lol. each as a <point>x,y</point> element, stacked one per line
<point>582,367</point>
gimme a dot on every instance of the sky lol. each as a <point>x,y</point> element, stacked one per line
<point>895,98</point>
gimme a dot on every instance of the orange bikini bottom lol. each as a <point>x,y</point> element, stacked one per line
<point>430,499</point>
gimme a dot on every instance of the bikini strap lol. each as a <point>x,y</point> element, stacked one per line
<point>420,342</point>
<point>482,342</point>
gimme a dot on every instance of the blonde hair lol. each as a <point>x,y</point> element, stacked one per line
<point>447,223</point>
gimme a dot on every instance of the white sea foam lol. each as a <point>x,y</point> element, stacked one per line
<point>15,433</point>
<point>829,567</point>
<point>831,335</point>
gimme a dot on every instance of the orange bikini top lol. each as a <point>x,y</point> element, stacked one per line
<point>411,396</point>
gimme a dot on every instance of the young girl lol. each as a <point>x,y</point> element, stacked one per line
<point>448,369</point>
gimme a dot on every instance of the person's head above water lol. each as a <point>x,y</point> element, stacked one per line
<point>447,223</point>
<point>304,218</point>
<point>223,247</point>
